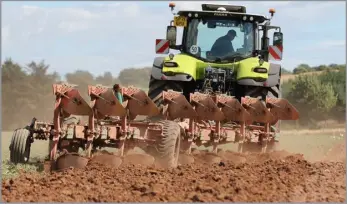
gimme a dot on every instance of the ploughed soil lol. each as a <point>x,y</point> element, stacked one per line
<point>203,177</point>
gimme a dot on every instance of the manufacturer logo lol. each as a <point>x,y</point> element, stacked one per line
<point>220,14</point>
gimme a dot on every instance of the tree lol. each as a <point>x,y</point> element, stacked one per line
<point>26,93</point>
<point>135,77</point>
<point>302,68</point>
<point>337,79</point>
<point>107,79</point>
<point>285,71</point>
<point>313,98</point>
<point>82,79</point>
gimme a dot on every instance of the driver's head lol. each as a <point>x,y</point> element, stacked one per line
<point>231,34</point>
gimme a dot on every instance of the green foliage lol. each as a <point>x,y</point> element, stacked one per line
<point>286,87</point>
<point>309,91</point>
<point>318,97</point>
<point>10,170</point>
<point>135,77</point>
<point>26,92</point>
<point>285,71</point>
<point>305,68</point>
<point>338,81</point>
<point>302,68</point>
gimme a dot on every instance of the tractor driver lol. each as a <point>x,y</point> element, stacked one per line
<point>223,46</point>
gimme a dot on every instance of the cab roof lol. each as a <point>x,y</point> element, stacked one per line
<point>258,18</point>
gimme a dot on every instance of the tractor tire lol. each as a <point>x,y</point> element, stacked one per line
<point>168,144</point>
<point>274,92</point>
<point>20,146</point>
<point>156,87</point>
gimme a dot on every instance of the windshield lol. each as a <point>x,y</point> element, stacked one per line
<point>220,40</point>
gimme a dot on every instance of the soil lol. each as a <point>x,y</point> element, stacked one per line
<point>222,177</point>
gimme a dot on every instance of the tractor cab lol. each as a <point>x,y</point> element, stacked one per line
<point>221,33</point>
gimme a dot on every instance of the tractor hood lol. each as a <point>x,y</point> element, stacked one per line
<point>186,64</point>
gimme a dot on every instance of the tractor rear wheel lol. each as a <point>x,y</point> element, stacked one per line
<point>20,146</point>
<point>156,87</point>
<point>168,144</point>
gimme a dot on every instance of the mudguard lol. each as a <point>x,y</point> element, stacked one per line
<point>246,66</point>
<point>157,72</point>
<point>272,80</point>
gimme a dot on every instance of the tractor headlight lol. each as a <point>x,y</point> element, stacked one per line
<point>260,70</point>
<point>170,64</point>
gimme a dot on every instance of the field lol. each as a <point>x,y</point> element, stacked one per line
<point>201,181</point>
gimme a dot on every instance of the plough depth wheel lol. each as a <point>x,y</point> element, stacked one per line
<point>169,144</point>
<point>20,146</point>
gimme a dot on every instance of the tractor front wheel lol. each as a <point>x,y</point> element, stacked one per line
<point>20,146</point>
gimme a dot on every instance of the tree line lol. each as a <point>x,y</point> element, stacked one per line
<point>318,97</point>
<point>27,90</point>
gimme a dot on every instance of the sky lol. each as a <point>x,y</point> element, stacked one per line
<point>111,36</point>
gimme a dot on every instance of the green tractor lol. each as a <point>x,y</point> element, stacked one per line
<point>223,50</point>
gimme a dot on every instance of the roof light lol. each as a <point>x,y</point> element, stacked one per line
<point>221,9</point>
<point>172,5</point>
<point>196,15</point>
<point>189,14</point>
<point>272,11</point>
<point>251,18</point>
<point>244,18</point>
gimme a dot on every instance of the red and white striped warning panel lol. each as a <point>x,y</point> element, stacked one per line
<point>162,46</point>
<point>275,52</point>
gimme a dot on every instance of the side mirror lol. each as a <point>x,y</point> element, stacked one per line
<point>277,39</point>
<point>171,34</point>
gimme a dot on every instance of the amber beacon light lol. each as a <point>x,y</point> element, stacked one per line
<point>172,5</point>
<point>272,11</point>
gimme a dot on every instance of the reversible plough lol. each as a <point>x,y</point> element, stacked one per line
<point>206,120</point>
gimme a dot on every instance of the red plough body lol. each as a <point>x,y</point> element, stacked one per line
<point>204,120</point>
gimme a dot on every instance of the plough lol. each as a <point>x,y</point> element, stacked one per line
<point>113,121</point>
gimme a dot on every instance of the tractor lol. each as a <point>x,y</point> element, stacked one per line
<point>244,70</point>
